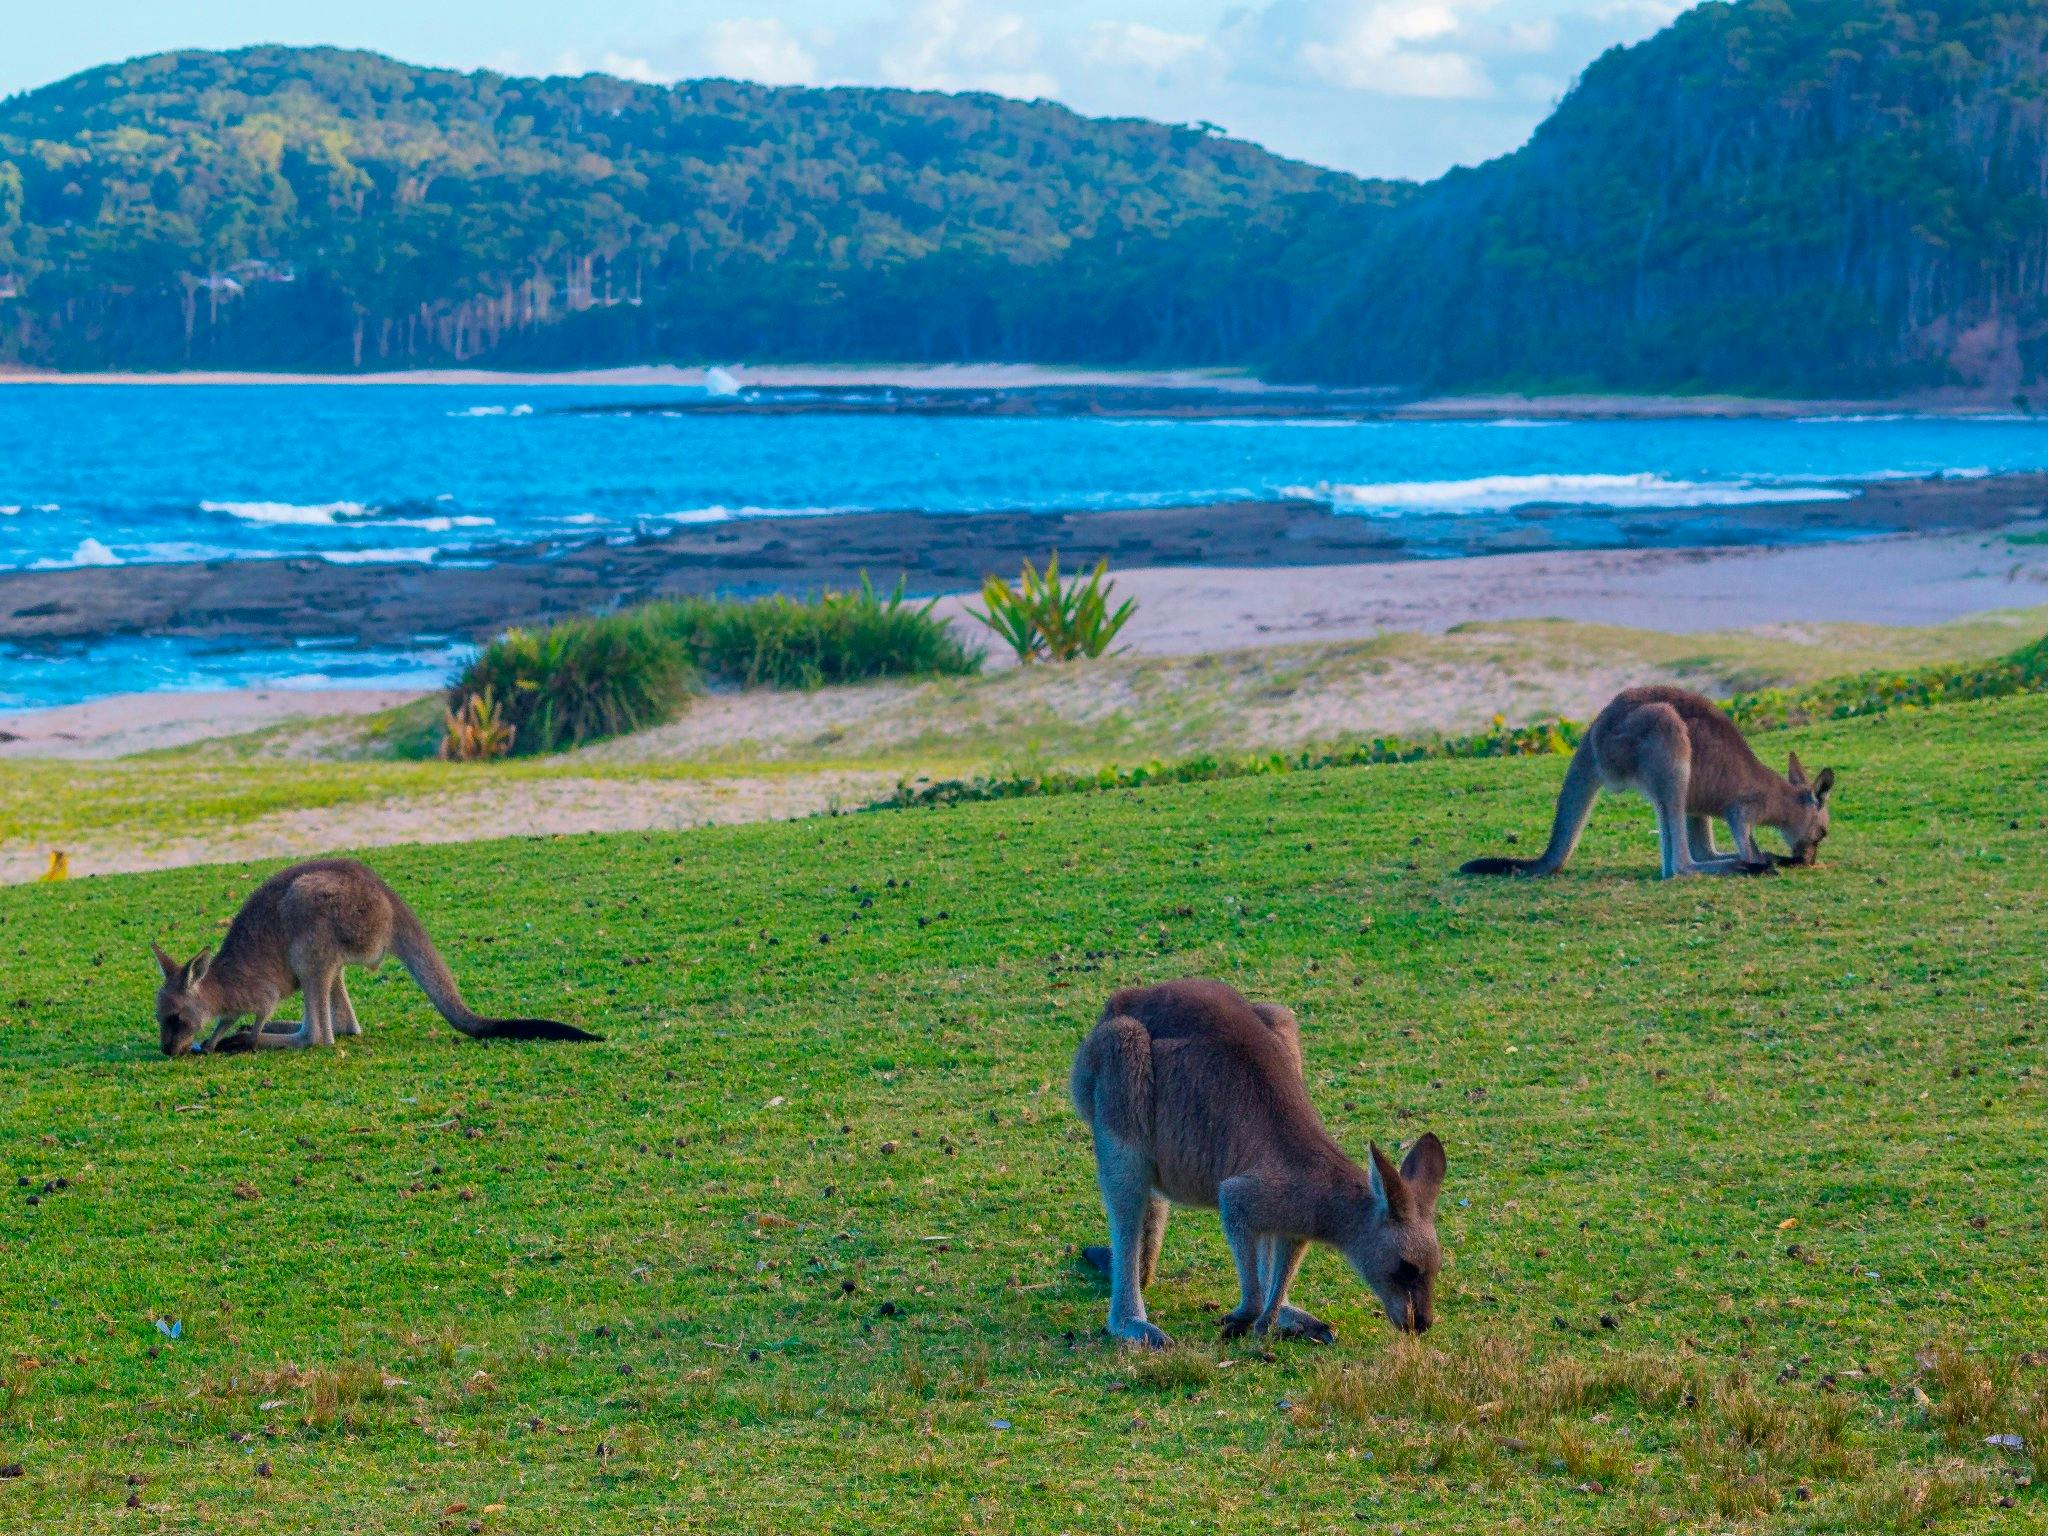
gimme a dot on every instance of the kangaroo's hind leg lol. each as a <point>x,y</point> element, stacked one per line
<point>1664,772</point>
<point>1125,1176</point>
<point>316,966</point>
<point>1098,1258</point>
<point>1699,839</point>
<point>341,1009</point>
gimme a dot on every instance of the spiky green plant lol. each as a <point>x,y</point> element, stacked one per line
<point>579,680</point>
<point>1043,616</point>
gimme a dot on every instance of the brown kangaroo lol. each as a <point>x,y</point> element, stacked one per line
<point>296,933</point>
<point>1690,761</point>
<point>1195,1096</point>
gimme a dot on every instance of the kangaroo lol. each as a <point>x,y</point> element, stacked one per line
<point>296,933</point>
<point>1689,760</point>
<point>1195,1096</point>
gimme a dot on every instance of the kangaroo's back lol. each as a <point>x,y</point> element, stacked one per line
<point>1193,1074</point>
<point>1626,730</point>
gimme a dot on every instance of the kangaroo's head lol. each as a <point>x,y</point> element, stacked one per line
<point>182,1009</point>
<point>1395,1250</point>
<point>1806,821</point>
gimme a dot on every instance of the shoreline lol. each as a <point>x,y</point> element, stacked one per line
<point>1206,611</point>
<point>1241,385</point>
<point>281,601</point>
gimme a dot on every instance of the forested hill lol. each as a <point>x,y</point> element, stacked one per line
<point>1810,196</point>
<point>316,208</point>
<point>1806,196</point>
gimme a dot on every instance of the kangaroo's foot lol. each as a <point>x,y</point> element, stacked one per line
<point>1236,1324</point>
<point>240,1041</point>
<point>1095,1257</point>
<point>1293,1323</point>
<point>1724,866</point>
<point>1135,1330</point>
<point>290,1037</point>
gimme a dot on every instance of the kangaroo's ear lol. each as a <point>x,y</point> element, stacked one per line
<point>1794,769</point>
<point>196,971</point>
<point>1387,1184</point>
<point>1422,1170</point>
<point>164,962</point>
<point>1824,784</point>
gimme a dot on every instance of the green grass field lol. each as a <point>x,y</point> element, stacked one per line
<point>1744,1212</point>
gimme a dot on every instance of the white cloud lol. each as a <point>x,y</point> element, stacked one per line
<point>1382,47</point>
<point>954,45</point>
<point>1133,45</point>
<point>1336,81</point>
<point>757,49</point>
<point>572,61</point>
<point>631,67</point>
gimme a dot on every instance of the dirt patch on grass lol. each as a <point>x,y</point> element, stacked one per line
<point>520,808</point>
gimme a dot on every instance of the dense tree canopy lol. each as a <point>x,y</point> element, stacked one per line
<point>323,208</point>
<point>1804,195</point>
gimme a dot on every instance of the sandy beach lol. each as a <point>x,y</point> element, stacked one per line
<point>283,601</point>
<point>1906,579</point>
<point>1027,376</point>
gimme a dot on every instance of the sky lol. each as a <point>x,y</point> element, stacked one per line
<point>1378,87</point>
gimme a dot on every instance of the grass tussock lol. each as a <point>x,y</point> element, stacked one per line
<point>1869,693</point>
<point>1680,1438</point>
<point>828,638</point>
<point>546,690</point>
<point>577,681</point>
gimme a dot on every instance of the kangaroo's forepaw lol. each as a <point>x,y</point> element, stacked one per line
<point>1095,1257</point>
<point>233,1045</point>
<point>1293,1323</point>
<point>1140,1333</point>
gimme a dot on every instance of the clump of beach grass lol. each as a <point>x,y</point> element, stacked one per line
<point>584,679</point>
<point>829,637</point>
<point>578,681</point>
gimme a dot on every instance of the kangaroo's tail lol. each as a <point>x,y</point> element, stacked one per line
<point>1574,805</point>
<point>416,952</point>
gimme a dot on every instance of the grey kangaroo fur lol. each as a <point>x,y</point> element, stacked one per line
<point>296,933</point>
<point>1689,760</point>
<point>1195,1097</point>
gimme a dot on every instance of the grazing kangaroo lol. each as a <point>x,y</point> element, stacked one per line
<point>1692,763</point>
<point>1195,1096</point>
<point>296,933</point>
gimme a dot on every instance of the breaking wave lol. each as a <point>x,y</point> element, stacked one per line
<point>1501,493</point>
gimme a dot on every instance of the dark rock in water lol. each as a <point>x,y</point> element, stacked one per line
<point>478,593</point>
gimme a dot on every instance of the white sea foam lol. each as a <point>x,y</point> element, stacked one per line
<point>493,410</point>
<point>289,514</point>
<point>10,511</point>
<point>378,556</point>
<point>719,384</point>
<point>735,514</point>
<point>435,524</point>
<point>334,514</point>
<point>89,552</point>
<point>1499,493</point>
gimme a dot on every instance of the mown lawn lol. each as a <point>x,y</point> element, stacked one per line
<point>1744,1214</point>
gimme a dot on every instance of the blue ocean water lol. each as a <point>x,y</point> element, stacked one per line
<point>117,475</point>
